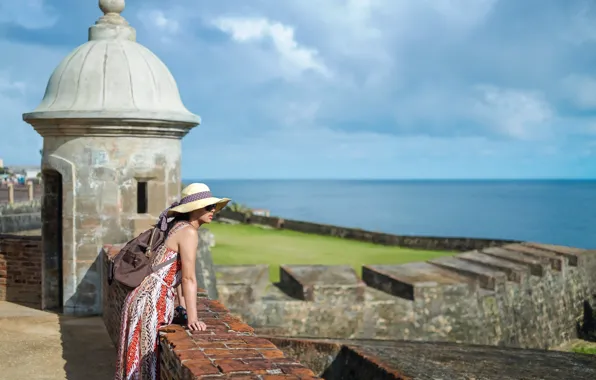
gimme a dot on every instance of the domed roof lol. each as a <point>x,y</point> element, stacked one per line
<point>113,77</point>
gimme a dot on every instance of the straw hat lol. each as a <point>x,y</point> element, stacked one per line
<point>196,196</point>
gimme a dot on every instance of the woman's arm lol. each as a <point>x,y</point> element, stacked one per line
<point>188,242</point>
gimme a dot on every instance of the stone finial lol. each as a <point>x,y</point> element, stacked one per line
<point>111,6</point>
<point>112,25</point>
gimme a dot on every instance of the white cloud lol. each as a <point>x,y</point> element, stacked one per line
<point>30,14</point>
<point>516,113</point>
<point>294,57</point>
<point>156,18</point>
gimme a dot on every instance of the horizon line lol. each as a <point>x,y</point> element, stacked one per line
<point>395,179</point>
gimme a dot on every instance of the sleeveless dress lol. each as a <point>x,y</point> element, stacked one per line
<point>147,308</point>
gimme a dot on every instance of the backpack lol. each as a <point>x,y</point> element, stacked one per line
<point>133,263</point>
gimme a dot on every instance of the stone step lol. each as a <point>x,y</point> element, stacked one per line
<point>488,278</point>
<point>515,272</point>
<point>574,255</point>
<point>402,280</point>
<point>537,266</point>
<point>557,262</point>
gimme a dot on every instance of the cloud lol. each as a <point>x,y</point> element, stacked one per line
<point>29,14</point>
<point>293,57</point>
<point>516,113</point>
<point>351,88</point>
<point>156,18</point>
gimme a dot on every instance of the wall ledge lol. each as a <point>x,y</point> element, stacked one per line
<point>227,349</point>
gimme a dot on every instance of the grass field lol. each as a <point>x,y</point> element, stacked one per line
<point>245,244</point>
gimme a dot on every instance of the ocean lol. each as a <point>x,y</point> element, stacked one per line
<point>547,211</point>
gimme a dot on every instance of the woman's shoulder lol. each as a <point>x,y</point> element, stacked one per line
<point>184,228</point>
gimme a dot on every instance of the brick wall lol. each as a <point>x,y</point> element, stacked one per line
<point>20,269</point>
<point>227,349</point>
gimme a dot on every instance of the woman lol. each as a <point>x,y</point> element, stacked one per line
<point>151,305</point>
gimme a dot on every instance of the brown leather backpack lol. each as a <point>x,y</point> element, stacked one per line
<point>133,263</point>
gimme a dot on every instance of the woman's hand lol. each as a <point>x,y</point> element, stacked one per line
<point>195,325</point>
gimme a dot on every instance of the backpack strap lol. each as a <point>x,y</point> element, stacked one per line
<point>164,264</point>
<point>149,253</point>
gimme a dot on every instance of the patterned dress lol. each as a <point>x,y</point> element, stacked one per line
<point>148,307</point>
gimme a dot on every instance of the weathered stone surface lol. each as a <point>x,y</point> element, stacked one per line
<point>515,272</point>
<point>391,360</point>
<point>486,277</point>
<point>537,266</point>
<point>320,283</point>
<point>522,301</point>
<point>574,255</point>
<point>242,284</point>
<point>20,222</point>
<point>557,262</point>
<point>204,268</point>
<point>401,280</point>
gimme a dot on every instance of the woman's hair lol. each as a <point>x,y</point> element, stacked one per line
<point>179,217</point>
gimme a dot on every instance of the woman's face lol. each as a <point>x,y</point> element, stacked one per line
<point>204,215</point>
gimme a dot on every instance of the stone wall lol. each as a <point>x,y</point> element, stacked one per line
<point>399,360</point>
<point>519,295</point>
<point>20,217</point>
<point>421,242</point>
<point>21,270</point>
<point>228,348</point>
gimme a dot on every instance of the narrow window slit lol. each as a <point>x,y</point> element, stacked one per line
<point>142,198</point>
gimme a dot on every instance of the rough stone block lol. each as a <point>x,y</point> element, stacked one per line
<point>515,272</point>
<point>488,278</point>
<point>322,283</point>
<point>574,255</point>
<point>557,262</point>
<point>537,266</point>
<point>401,280</point>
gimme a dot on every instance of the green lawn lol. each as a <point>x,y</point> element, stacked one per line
<point>245,244</point>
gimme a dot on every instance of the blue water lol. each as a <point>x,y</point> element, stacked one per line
<point>556,212</point>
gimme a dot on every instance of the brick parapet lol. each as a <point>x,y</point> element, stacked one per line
<point>21,269</point>
<point>227,349</point>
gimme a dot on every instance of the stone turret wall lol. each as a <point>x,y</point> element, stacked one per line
<point>518,295</point>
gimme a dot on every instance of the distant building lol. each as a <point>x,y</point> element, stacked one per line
<point>260,212</point>
<point>26,172</point>
<point>1,163</point>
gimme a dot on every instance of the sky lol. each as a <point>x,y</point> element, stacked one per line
<point>343,88</point>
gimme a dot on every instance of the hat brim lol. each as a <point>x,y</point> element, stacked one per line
<point>199,204</point>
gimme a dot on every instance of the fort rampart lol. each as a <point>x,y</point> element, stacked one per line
<point>518,295</point>
<point>421,242</point>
